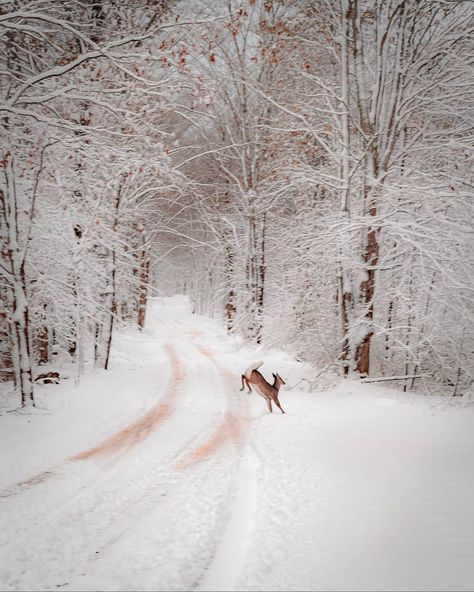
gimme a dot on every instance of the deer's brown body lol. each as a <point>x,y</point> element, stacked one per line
<point>269,392</point>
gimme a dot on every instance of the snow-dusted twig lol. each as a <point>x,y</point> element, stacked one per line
<point>388,378</point>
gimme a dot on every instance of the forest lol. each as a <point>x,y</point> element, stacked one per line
<point>301,169</point>
<point>236,295</point>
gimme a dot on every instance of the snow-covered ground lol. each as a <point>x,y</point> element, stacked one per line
<point>161,475</point>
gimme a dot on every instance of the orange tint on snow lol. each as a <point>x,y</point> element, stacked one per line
<point>230,428</point>
<point>138,430</point>
<point>206,352</point>
<point>132,434</point>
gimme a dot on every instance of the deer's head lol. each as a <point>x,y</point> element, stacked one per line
<point>278,380</point>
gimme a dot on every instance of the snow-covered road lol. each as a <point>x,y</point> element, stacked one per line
<point>162,475</point>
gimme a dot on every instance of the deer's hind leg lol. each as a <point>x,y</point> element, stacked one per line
<point>245,381</point>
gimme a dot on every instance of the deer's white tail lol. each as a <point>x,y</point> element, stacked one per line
<point>251,368</point>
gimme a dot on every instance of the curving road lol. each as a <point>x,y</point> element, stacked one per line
<point>176,467</point>
<point>352,489</point>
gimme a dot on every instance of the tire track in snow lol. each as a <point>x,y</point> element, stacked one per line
<point>228,561</point>
<point>121,441</point>
<point>232,427</point>
<point>218,519</point>
<point>234,536</point>
<point>141,428</point>
<point>167,483</point>
<point>97,497</point>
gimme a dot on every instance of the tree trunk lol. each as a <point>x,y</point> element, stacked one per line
<point>22,333</point>
<point>344,281</point>
<point>42,344</point>
<point>112,311</point>
<point>96,342</point>
<point>261,281</point>
<point>143,286</point>
<point>229,271</point>
<point>77,346</point>
<point>113,276</point>
<point>21,338</point>
<point>367,292</point>
<point>256,278</point>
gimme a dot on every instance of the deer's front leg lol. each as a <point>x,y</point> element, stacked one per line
<point>277,402</point>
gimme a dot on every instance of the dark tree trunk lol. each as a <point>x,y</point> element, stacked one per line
<point>345,301</point>
<point>113,277</point>
<point>230,307</point>
<point>18,300</point>
<point>112,312</point>
<point>42,344</point>
<point>143,286</point>
<point>261,282</point>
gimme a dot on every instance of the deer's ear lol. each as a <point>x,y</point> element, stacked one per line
<point>274,375</point>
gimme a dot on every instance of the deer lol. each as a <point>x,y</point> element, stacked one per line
<point>266,390</point>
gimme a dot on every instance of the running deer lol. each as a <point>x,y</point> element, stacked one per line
<point>266,390</point>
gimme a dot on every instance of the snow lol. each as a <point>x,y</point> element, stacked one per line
<point>161,475</point>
